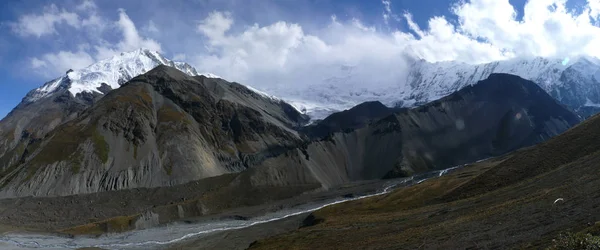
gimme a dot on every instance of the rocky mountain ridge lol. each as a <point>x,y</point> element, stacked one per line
<point>109,74</point>
<point>166,128</point>
<point>161,128</point>
<point>573,82</point>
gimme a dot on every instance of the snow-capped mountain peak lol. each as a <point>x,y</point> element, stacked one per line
<point>573,81</point>
<point>113,72</point>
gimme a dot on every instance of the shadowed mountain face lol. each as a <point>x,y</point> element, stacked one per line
<point>165,128</point>
<point>36,119</point>
<point>490,118</point>
<point>348,120</point>
<point>65,97</point>
<point>161,128</point>
<point>530,196</point>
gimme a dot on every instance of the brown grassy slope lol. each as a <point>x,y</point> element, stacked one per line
<point>505,203</point>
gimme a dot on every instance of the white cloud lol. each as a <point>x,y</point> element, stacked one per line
<point>94,22</point>
<point>282,53</point>
<point>97,48</point>
<point>44,23</point>
<point>215,25</point>
<point>412,25</point>
<point>594,9</point>
<point>287,53</point>
<point>150,27</point>
<point>131,38</point>
<point>387,10</point>
<point>179,57</point>
<point>86,5</point>
<point>442,42</point>
<point>37,63</point>
<point>81,16</point>
<point>281,58</point>
<point>53,64</point>
<point>548,28</point>
<point>487,30</point>
<point>388,13</point>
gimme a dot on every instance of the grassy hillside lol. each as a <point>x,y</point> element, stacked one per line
<point>507,202</point>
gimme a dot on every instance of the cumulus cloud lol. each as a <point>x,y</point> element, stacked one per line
<point>388,13</point>
<point>51,64</point>
<point>548,27</point>
<point>131,37</point>
<point>44,24</point>
<point>215,25</point>
<point>283,59</point>
<point>487,30</point>
<point>151,27</point>
<point>284,53</point>
<point>281,53</point>
<point>86,5</point>
<point>96,48</point>
<point>37,63</point>
<point>179,57</point>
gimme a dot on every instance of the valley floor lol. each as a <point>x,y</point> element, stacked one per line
<point>494,204</point>
<point>435,215</point>
<point>71,220</point>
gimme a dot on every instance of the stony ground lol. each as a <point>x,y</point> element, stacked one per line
<point>55,214</point>
<point>431,215</point>
<point>89,214</point>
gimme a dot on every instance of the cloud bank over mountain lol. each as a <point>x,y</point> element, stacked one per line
<point>283,52</point>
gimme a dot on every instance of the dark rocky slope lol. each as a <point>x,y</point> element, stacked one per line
<point>165,128</point>
<point>31,120</point>
<point>490,118</point>
<point>505,202</point>
<point>161,128</point>
<point>348,120</point>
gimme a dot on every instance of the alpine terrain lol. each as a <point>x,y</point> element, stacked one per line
<point>79,134</point>
<point>157,125</point>
<point>542,197</point>
<point>574,83</point>
<point>148,141</point>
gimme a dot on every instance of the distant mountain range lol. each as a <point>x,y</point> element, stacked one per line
<point>168,127</point>
<point>161,128</point>
<point>141,120</point>
<point>108,74</point>
<point>575,83</point>
<point>540,197</point>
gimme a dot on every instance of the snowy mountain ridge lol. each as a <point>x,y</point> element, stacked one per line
<point>113,72</point>
<point>430,81</point>
<point>573,82</point>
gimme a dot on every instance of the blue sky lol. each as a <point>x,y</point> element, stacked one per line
<point>40,39</point>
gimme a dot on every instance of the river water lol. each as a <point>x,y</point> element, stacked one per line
<point>159,237</point>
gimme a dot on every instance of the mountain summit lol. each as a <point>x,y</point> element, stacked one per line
<point>161,128</point>
<point>575,83</point>
<point>67,97</point>
<point>110,74</point>
<point>164,128</point>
